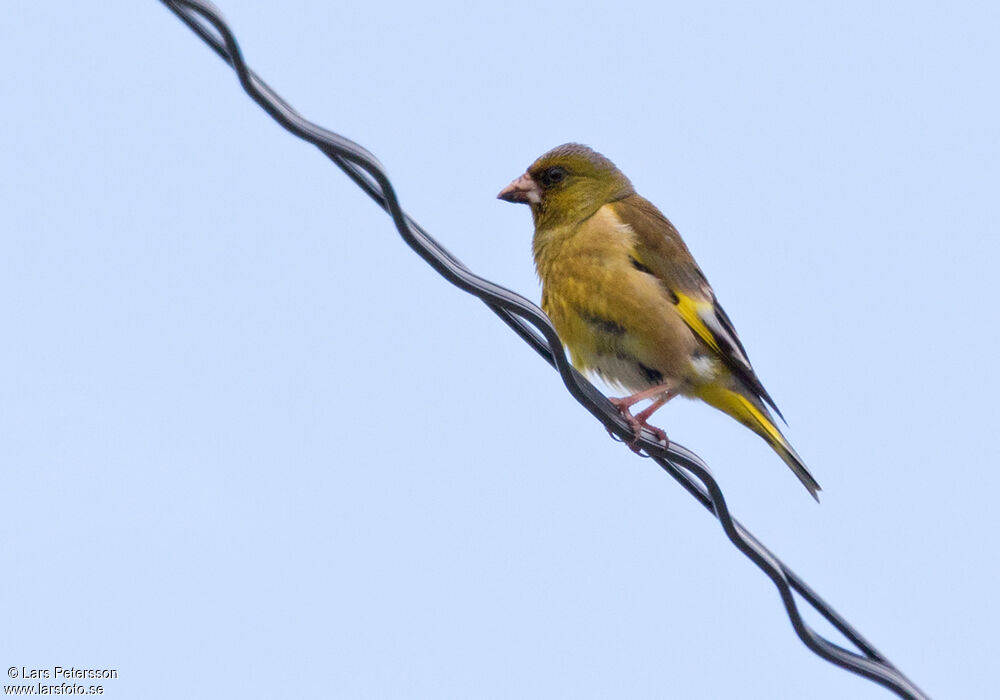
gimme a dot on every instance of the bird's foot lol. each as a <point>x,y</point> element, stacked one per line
<point>637,423</point>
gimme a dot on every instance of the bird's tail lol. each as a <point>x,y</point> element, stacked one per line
<point>754,415</point>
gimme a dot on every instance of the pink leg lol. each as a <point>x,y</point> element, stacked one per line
<point>640,421</point>
<point>627,402</point>
<point>644,415</point>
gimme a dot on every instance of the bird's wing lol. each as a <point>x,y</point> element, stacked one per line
<point>661,253</point>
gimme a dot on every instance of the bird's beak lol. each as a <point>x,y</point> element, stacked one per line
<point>524,190</point>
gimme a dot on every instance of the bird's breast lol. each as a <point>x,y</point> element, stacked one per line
<point>616,320</point>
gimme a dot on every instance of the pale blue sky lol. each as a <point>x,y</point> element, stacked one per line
<point>252,446</point>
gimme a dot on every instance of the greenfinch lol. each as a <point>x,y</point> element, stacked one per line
<point>629,301</point>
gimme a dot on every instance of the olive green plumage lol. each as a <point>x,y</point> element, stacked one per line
<point>628,299</point>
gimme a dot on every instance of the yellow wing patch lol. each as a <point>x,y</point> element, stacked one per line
<point>688,308</point>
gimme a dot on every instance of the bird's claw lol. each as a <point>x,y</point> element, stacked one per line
<point>637,425</point>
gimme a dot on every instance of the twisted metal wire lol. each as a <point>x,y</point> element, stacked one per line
<point>531,324</point>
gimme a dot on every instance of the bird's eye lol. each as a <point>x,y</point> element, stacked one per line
<point>552,176</point>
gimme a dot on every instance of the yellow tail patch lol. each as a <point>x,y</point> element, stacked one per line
<point>743,410</point>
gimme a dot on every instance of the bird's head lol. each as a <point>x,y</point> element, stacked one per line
<point>567,185</point>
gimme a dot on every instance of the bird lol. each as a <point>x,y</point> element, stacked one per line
<point>629,302</point>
